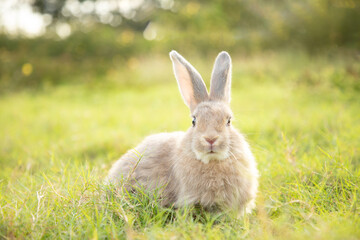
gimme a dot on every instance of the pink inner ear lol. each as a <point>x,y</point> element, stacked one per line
<point>185,85</point>
<point>191,85</point>
<point>188,94</point>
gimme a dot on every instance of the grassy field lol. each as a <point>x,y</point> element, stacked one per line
<point>300,114</point>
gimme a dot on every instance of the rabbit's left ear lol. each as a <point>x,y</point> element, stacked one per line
<point>191,85</point>
<point>220,85</point>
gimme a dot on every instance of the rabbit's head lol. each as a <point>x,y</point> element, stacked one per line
<point>211,129</point>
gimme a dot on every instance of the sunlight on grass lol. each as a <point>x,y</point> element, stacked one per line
<point>58,144</point>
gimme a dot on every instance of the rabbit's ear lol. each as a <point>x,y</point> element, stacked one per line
<point>191,85</point>
<point>220,85</point>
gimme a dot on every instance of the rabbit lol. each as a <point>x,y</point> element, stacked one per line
<point>210,164</point>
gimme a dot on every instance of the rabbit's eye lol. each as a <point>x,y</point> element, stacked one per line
<point>228,122</point>
<point>194,121</point>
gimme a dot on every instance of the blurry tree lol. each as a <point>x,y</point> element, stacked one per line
<point>102,10</point>
<point>253,24</point>
<point>259,24</point>
<point>109,33</point>
<point>52,7</point>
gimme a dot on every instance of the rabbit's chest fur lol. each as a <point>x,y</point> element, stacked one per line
<point>216,183</point>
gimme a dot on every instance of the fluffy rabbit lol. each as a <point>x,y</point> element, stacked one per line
<point>210,164</point>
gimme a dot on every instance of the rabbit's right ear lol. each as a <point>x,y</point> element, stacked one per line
<point>191,85</point>
<point>220,84</point>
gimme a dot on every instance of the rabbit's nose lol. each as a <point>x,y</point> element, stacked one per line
<point>210,140</point>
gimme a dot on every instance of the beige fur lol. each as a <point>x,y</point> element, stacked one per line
<point>187,167</point>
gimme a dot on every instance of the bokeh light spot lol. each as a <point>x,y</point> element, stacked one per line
<point>150,32</point>
<point>27,69</point>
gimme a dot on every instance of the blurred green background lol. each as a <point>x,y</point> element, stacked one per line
<point>88,41</point>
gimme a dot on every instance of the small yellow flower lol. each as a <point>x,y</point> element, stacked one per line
<point>27,69</point>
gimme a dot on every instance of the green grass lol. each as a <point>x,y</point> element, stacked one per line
<point>299,113</point>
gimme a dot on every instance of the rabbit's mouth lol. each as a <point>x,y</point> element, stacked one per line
<point>214,149</point>
<point>211,154</point>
